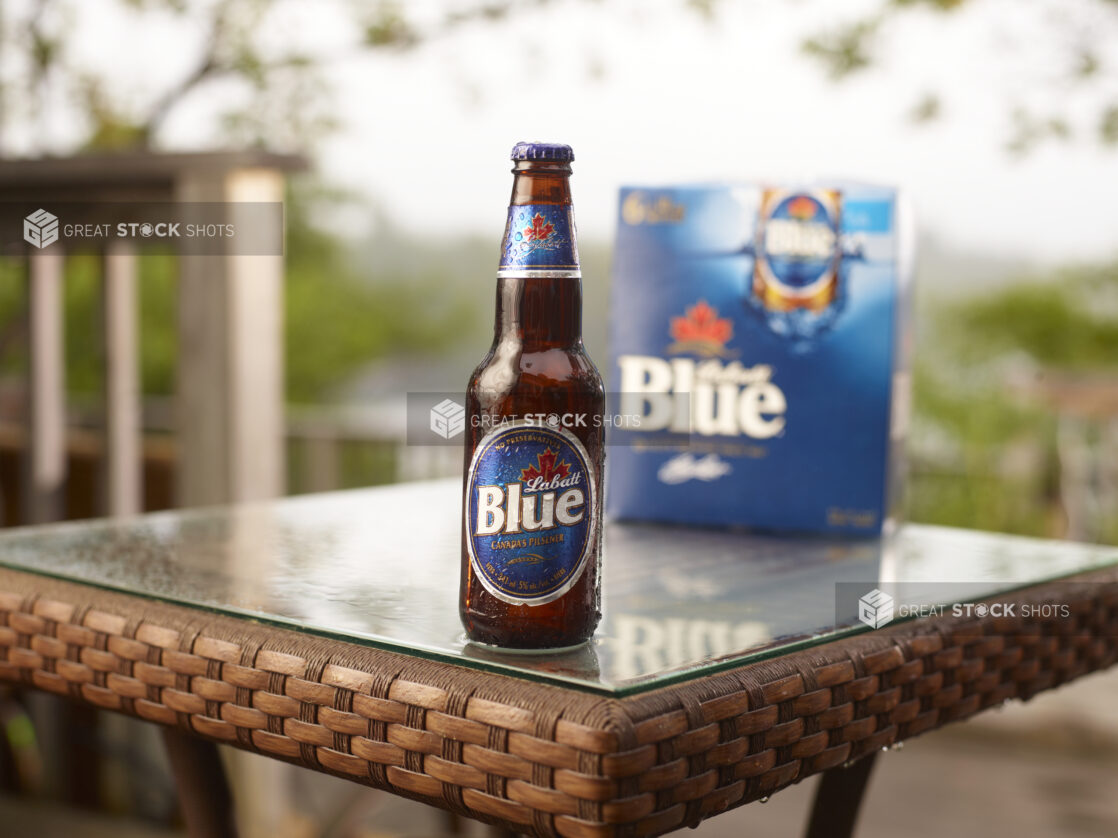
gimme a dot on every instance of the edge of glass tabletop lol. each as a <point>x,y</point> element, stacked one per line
<point>513,665</point>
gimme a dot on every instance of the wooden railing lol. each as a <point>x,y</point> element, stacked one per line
<point>229,400</point>
<point>323,452</point>
<point>229,421</point>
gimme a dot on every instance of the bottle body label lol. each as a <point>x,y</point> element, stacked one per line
<point>539,237</point>
<point>531,503</point>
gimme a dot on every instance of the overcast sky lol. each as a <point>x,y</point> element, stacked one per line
<point>649,93</point>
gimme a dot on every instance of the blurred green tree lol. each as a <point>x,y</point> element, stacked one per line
<point>986,448</point>
<point>282,98</point>
<point>1076,97</point>
<point>286,106</point>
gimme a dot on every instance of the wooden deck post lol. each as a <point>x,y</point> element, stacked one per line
<point>123,481</point>
<point>230,396</point>
<point>46,462</point>
<point>230,413</point>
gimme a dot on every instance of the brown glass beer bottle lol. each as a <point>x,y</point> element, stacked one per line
<point>532,505</point>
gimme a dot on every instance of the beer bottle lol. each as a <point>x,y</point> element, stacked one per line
<point>532,504</point>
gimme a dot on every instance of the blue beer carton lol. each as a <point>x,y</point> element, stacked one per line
<point>759,356</point>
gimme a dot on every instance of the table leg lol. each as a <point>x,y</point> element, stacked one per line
<point>838,798</point>
<point>204,796</point>
<point>81,760</point>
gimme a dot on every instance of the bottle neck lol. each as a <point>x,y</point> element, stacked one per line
<point>539,313</point>
<point>539,287</point>
<point>540,182</point>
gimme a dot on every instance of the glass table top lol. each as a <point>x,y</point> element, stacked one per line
<point>380,567</point>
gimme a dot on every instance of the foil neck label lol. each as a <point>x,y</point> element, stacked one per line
<point>539,237</point>
<point>529,512</point>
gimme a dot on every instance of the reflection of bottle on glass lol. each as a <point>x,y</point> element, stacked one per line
<point>580,663</point>
<point>534,447</point>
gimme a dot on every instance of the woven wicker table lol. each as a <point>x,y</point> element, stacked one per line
<point>323,631</point>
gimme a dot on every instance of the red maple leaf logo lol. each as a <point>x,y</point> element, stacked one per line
<point>701,324</point>
<point>548,468</point>
<point>802,208</point>
<point>539,230</point>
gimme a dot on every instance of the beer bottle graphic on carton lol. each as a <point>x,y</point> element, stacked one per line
<point>532,504</point>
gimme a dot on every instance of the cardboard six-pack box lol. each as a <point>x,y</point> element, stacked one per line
<point>759,356</point>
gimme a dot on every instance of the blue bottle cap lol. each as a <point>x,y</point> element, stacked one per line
<point>543,151</point>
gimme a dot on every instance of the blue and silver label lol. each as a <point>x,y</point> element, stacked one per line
<point>530,509</point>
<point>539,237</point>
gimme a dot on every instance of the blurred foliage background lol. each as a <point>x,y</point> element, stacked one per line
<point>1014,407</point>
<point>1013,398</point>
<point>991,418</point>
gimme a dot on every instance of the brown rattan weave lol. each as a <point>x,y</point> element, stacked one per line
<point>537,758</point>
